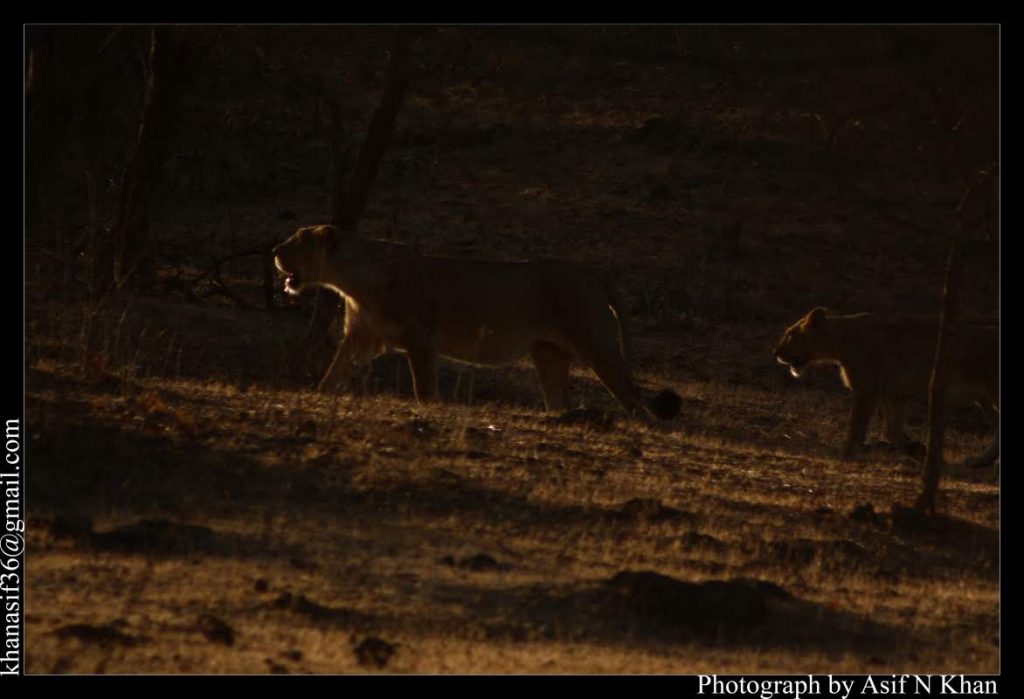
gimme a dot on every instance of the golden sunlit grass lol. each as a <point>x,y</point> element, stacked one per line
<point>366,509</point>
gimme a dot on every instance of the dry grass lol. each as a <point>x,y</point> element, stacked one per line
<point>209,498</point>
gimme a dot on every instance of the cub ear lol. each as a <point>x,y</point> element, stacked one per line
<point>816,316</point>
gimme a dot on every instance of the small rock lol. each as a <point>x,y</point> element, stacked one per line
<point>216,629</point>
<point>105,635</point>
<point>585,416</point>
<point>666,404</point>
<point>275,669</point>
<point>302,563</point>
<point>306,428</point>
<point>865,512</point>
<point>647,510</point>
<point>708,607</point>
<point>373,652</point>
<point>421,427</point>
<point>70,526</point>
<point>479,563</point>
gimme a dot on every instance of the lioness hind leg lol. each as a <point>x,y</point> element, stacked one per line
<point>612,372</point>
<point>423,365</point>
<point>860,416</point>
<point>598,346</point>
<point>552,365</point>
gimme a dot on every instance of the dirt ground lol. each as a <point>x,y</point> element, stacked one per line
<point>196,507</point>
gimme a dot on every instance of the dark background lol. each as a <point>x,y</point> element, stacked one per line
<point>726,174</point>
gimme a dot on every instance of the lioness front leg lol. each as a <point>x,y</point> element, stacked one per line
<point>552,365</point>
<point>354,353</point>
<point>423,365</point>
<point>860,416</point>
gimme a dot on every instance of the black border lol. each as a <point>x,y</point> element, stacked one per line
<point>681,685</point>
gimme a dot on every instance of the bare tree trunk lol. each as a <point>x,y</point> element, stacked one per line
<point>932,466</point>
<point>348,201</point>
<point>61,73</point>
<point>134,244</point>
<point>132,221</point>
<point>349,205</point>
<point>974,191</point>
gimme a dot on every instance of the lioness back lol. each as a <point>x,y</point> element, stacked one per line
<point>478,311</point>
<point>495,312</point>
<point>904,350</point>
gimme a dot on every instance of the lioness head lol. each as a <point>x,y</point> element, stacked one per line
<point>803,342</point>
<point>303,257</point>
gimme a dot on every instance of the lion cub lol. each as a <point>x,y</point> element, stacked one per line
<point>889,360</point>
<point>474,311</point>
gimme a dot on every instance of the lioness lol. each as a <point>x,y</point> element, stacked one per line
<point>890,359</point>
<point>470,310</point>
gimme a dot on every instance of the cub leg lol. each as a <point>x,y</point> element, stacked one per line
<point>423,365</point>
<point>552,365</point>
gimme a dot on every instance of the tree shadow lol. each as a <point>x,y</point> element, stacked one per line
<point>635,609</point>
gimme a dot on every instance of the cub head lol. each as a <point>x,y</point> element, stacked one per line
<point>304,256</point>
<point>804,342</point>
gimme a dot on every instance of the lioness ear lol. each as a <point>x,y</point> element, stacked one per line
<point>816,316</point>
<point>330,238</point>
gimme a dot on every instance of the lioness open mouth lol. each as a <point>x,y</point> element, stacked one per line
<point>794,369</point>
<point>291,279</point>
